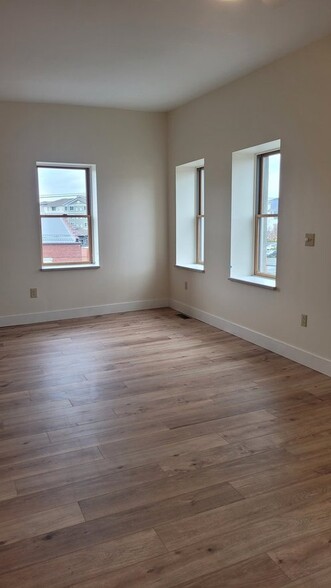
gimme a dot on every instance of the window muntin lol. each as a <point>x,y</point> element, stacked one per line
<point>266,218</point>
<point>66,237</point>
<point>200,216</point>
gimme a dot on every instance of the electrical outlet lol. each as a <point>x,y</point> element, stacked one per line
<point>310,240</point>
<point>33,293</point>
<point>186,285</point>
<point>304,320</point>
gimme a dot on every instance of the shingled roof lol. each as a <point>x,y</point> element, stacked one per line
<point>56,230</point>
<point>63,201</point>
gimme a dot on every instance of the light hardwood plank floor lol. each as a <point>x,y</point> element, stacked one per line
<point>144,449</point>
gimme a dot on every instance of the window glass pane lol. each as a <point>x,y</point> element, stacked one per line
<point>268,228</point>
<point>202,191</point>
<point>270,183</point>
<point>65,240</point>
<point>201,240</point>
<point>62,190</point>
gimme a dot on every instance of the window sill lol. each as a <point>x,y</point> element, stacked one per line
<point>268,283</point>
<point>196,267</point>
<point>51,268</point>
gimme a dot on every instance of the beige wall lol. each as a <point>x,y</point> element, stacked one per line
<point>288,100</point>
<point>129,150</point>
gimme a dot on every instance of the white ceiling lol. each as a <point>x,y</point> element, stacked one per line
<point>145,54</point>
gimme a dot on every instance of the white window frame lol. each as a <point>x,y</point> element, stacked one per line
<point>190,216</point>
<point>92,212</point>
<point>260,214</point>
<point>244,213</point>
<point>200,217</point>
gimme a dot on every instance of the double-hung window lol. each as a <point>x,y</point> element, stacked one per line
<point>190,215</point>
<point>254,214</point>
<point>200,217</point>
<point>68,237</point>
<point>266,218</point>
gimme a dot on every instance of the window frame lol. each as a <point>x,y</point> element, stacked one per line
<point>187,207</point>
<point>260,215</point>
<point>200,215</point>
<point>88,169</point>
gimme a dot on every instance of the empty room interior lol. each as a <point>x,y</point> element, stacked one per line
<point>165,292</point>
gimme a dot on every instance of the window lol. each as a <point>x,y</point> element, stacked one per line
<point>200,217</point>
<point>254,214</point>
<point>190,215</point>
<point>67,239</point>
<point>266,218</point>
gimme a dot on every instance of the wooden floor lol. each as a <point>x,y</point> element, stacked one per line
<point>144,450</point>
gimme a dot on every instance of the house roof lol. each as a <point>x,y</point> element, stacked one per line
<point>56,230</point>
<point>63,201</point>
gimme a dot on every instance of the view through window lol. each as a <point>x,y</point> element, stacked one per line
<point>64,201</point>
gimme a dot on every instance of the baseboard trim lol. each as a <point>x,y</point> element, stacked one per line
<point>86,311</point>
<point>315,362</point>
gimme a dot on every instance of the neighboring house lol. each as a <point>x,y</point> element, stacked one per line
<point>75,204</point>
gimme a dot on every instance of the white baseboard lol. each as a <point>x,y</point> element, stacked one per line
<point>55,315</point>
<point>315,362</point>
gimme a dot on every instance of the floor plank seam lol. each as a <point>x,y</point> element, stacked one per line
<point>243,497</point>
<point>161,541</point>
<point>278,564</point>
